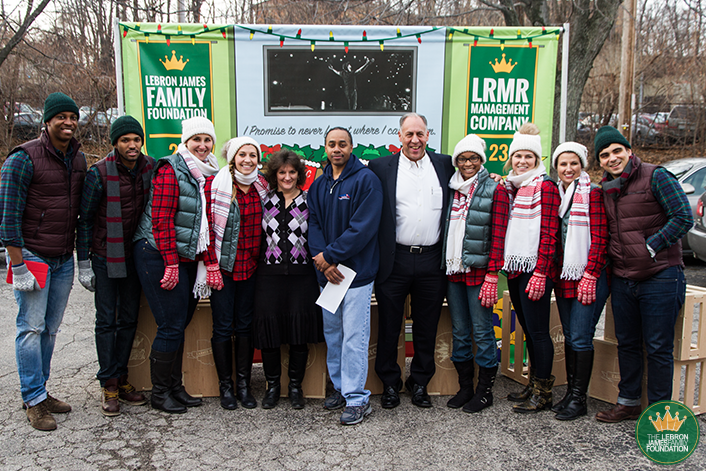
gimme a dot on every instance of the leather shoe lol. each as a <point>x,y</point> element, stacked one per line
<point>420,398</point>
<point>391,396</point>
<point>619,413</point>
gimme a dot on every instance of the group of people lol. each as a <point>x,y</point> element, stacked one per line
<point>260,248</point>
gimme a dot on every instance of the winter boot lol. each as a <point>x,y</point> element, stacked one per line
<point>298,355</point>
<point>484,392</point>
<point>272,364</point>
<point>570,360</point>
<point>161,365</point>
<point>540,399</point>
<point>466,370</point>
<point>582,376</point>
<point>243,365</point>
<point>223,357</point>
<point>178,391</point>
<point>523,395</point>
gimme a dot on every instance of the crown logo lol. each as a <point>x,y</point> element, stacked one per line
<point>673,424</point>
<point>174,64</point>
<point>502,66</point>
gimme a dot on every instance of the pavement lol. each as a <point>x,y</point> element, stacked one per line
<point>209,437</point>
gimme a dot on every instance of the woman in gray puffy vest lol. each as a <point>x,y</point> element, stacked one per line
<point>473,253</point>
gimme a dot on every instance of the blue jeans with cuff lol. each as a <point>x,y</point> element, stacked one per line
<point>471,322</point>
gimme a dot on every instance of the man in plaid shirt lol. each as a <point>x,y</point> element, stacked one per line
<point>40,193</point>
<point>648,214</point>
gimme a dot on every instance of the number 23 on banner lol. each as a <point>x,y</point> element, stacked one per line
<point>495,149</point>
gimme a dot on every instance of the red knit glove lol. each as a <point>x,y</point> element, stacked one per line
<point>214,279</point>
<point>587,289</point>
<point>535,286</point>
<point>489,291</point>
<point>171,277</point>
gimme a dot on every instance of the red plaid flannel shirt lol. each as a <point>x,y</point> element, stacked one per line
<point>597,254</point>
<point>165,198</point>
<point>498,225</point>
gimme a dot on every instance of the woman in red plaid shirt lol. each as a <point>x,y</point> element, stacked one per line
<point>530,245</point>
<point>236,216</point>
<point>173,238</point>
<point>582,288</point>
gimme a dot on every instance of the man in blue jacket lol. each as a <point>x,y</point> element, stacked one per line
<point>345,204</point>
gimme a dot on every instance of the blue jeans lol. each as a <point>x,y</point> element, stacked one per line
<point>117,305</point>
<point>471,322</point>
<point>172,310</point>
<point>579,321</point>
<point>38,320</point>
<point>232,308</point>
<point>347,334</point>
<point>646,311</point>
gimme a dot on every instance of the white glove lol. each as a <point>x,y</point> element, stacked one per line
<point>23,279</point>
<point>86,276</point>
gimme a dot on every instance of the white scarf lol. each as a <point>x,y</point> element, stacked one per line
<point>578,234</point>
<point>457,221</point>
<point>199,169</point>
<point>248,179</point>
<point>525,224</point>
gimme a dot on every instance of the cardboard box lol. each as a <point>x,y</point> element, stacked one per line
<point>373,383</point>
<point>513,365</point>
<point>314,384</point>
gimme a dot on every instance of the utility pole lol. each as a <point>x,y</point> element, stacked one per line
<point>627,70</point>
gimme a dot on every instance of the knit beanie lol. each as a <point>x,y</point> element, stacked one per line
<point>606,136</point>
<point>470,143</point>
<point>576,148</point>
<point>233,146</point>
<point>197,125</point>
<point>125,125</point>
<point>56,103</point>
<point>530,142</point>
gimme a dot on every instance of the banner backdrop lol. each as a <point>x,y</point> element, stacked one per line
<point>286,85</point>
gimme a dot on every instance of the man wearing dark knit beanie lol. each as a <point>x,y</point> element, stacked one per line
<point>114,197</point>
<point>40,186</point>
<point>648,214</point>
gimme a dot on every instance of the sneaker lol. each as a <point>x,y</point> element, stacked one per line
<point>128,394</point>
<point>335,401</point>
<point>109,398</point>
<point>355,414</point>
<point>40,418</point>
<point>55,406</point>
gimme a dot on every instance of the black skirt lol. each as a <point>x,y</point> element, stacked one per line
<point>286,311</point>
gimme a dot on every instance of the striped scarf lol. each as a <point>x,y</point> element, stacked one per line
<point>221,196</point>
<point>524,226</point>
<point>457,221</point>
<point>578,233</point>
<point>115,246</point>
<point>612,186</point>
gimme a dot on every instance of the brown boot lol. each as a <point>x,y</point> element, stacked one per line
<point>523,395</point>
<point>109,398</point>
<point>619,413</point>
<point>128,394</point>
<point>540,399</point>
<point>55,406</point>
<point>40,418</point>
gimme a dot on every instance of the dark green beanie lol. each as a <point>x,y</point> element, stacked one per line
<point>125,125</point>
<point>56,103</point>
<point>606,136</point>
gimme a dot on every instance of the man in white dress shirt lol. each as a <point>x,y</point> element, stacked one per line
<point>415,198</point>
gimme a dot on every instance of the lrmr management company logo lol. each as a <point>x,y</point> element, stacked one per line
<point>667,432</point>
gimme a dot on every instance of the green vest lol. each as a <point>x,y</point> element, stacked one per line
<point>476,242</point>
<point>187,219</point>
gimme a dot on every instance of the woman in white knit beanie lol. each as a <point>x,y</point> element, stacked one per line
<point>582,287</point>
<point>530,243</point>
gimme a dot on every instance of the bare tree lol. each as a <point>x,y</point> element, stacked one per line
<point>20,29</point>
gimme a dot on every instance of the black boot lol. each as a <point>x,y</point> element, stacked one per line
<point>272,364</point>
<point>161,376</point>
<point>178,391</point>
<point>523,395</point>
<point>223,357</point>
<point>570,359</point>
<point>540,399</point>
<point>484,392</point>
<point>582,376</point>
<point>243,365</point>
<point>466,370</point>
<point>298,355</point>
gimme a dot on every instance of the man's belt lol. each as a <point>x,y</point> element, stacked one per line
<point>418,248</point>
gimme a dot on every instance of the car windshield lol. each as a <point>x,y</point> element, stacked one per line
<point>678,168</point>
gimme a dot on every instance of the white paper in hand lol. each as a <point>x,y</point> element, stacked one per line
<point>332,295</point>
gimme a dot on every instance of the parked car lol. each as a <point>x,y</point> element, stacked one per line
<point>691,173</point>
<point>684,121</point>
<point>26,126</point>
<point>696,237</point>
<point>644,132</point>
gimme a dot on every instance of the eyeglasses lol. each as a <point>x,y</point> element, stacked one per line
<point>463,160</point>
